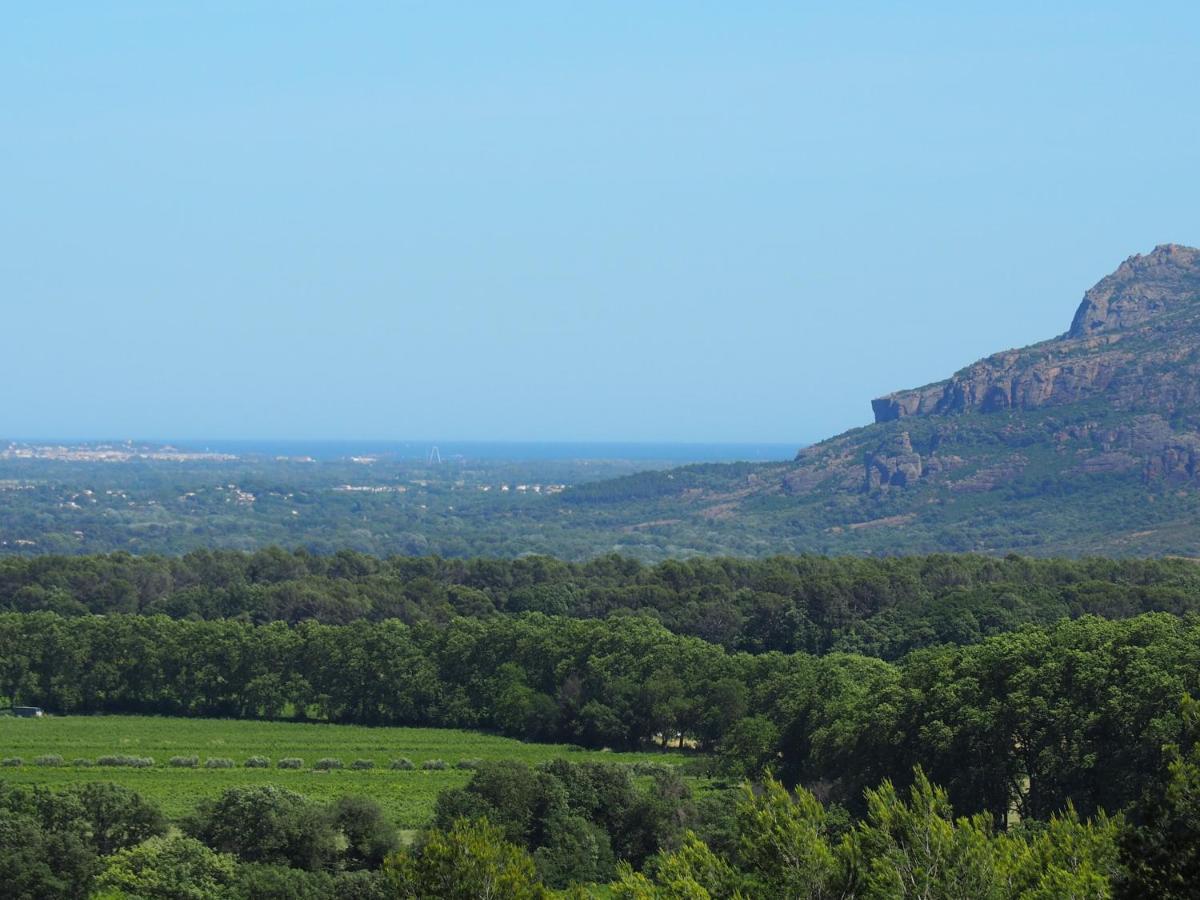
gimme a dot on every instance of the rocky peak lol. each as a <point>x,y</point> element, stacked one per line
<point>1097,356</point>
<point>1141,287</point>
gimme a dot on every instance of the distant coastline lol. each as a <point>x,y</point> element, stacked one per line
<point>674,452</point>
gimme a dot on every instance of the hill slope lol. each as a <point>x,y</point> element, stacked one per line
<point>1086,443</point>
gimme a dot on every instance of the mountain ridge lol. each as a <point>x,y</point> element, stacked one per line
<point>1086,359</point>
<point>1088,442</point>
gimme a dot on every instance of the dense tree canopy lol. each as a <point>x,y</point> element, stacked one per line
<point>1019,724</point>
<point>879,607</point>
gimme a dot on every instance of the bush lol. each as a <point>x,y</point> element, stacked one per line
<point>12,761</point>
<point>175,866</point>
<point>264,823</point>
<point>434,764</point>
<point>329,762</point>
<point>114,817</point>
<point>468,764</point>
<point>290,762</point>
<point>258,762</point>
<point>82,763</point>
<point>402,764</point>
<point>184,762</point>
<point>218,762</point>
<point>130,762</point>
<point>368,835</point>
<point>50,759</point>
<point>363,764</point>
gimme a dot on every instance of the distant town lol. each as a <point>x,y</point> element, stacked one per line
<point>116,453</point>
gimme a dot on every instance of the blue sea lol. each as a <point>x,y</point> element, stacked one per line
<point>504,450</point>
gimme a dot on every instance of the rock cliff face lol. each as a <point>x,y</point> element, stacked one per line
<point>1134,342</point>
<point>1141,288</point>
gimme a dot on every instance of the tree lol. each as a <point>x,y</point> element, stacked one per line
<point>116,816</point>
<point>1162,854</point>
<point>693,872</point>
<point>783,843</point>
<point>266,824</point>
<point>470,861</point>
<point>167,868</point>
<point>36,864</point>
<point>918,849</point>
<point>1068,859</point>
<point>750,748</point>
<point>369,836</point>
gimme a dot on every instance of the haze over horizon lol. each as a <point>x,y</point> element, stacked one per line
<point>688,223</point>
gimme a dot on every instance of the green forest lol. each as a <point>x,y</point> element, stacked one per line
<point>1007,727</point>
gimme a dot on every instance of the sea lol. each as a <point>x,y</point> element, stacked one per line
<point>501,450</point>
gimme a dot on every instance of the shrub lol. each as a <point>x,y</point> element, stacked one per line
<point>50,759</point>
<point>258,762</point>
<point>290,762</point>
<point>218,762</point>
<point>434,764</point>
<point>82,763</point>
<point>264,823</point>
<point>12,761</point>
<point>468,764</point>
<point>363,764</point>
<point>131,762</point>
<point>403,764</point>
<point>184,762</point>
<point>329,762</point>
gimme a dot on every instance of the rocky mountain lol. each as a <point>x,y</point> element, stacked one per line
<point>1088,442</point>
<point>1133,343</point>
<point>1130,361</point>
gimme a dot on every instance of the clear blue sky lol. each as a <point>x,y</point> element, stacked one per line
<point>625,221</point>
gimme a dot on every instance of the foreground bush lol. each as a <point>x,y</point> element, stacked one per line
<point>167,867</point>
<point>470,860</point>
<point>907,846</point>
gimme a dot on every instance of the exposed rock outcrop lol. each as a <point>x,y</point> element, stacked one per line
<point>1135,342</point>
<point>893,464</point>
<point>1142,287</point>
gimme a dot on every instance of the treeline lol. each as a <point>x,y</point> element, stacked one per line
<point>590,830</point>
<point>877,607</point>
<point>1020,724</point>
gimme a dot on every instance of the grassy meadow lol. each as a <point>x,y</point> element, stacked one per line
<point>407,796</point>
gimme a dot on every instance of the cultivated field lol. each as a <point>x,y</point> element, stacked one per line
<point>406,795</point>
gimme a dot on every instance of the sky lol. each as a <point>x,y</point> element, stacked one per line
<point>562,221</point>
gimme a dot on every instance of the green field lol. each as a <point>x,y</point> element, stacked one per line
<point>406,796</point>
